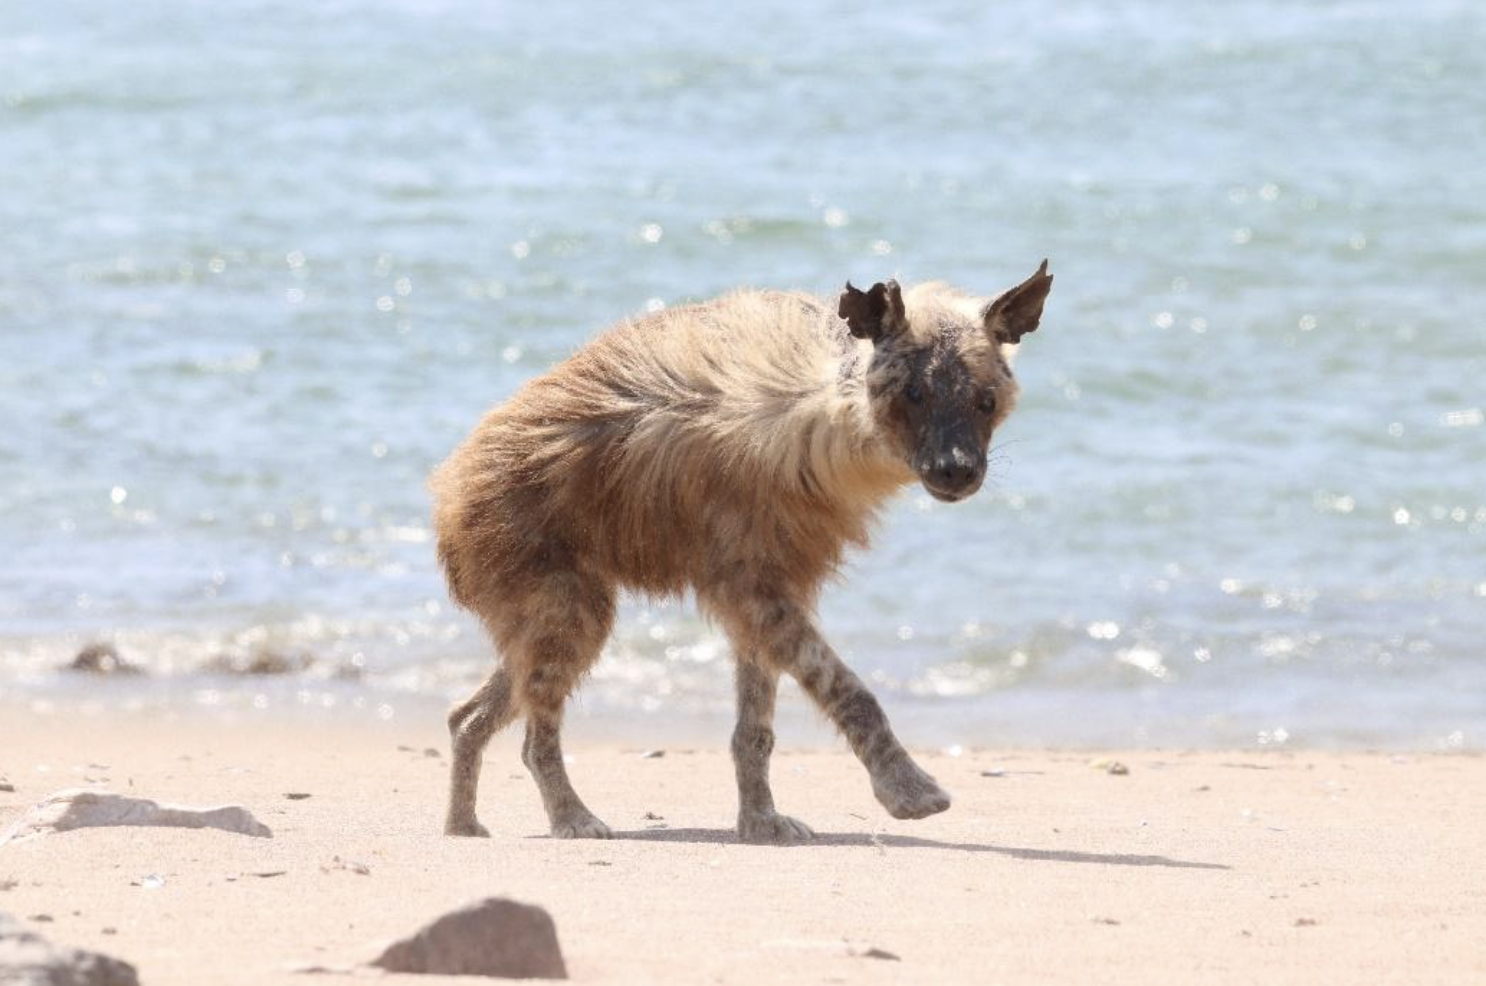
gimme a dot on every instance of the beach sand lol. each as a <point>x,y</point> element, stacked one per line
<point>1263,867</point>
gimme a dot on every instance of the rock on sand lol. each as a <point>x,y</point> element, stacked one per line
<point>27,959</point>
<point>77,808</point>
<point>490,937</point>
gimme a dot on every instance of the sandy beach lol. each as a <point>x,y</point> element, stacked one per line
<point>1274,867</point>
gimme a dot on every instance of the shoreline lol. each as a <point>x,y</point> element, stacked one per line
<point>607,713</point>
<point>1238,866</point>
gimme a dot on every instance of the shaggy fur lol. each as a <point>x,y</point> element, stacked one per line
<point>736,448</point>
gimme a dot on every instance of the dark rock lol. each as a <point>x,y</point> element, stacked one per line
<point>27,959</point>
<point>101,658</point>
<point>263,662</point>
<point>269,662</point>
<point>348,672</point>
<point>490,937</point>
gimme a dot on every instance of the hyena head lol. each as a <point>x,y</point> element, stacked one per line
<point>939,382</point>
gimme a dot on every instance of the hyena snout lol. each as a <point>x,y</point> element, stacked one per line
<point>952,473</point>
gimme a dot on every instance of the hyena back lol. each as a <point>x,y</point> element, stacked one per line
<point>735,448</point>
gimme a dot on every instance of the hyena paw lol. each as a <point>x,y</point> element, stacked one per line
<point>906,791</point>
<point>466,827</point>
<point>581,826</point>
<point>772,828</point>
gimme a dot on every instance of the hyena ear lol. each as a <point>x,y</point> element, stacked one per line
<point>1018,311</point>
<point>874,314</point>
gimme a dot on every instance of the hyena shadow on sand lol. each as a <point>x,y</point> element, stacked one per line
<point>886,842</point>
<point>735,448</point>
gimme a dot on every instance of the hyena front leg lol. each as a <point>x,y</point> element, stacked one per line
<point>753,741</point>
<point>782,633</point>
<point>904,788</point>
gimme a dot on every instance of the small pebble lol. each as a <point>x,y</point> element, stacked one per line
<point>350,865</point>
<point>297,795</point>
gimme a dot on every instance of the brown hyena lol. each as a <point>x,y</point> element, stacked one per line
<point>736,448</point>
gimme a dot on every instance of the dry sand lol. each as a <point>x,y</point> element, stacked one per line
<point>1274,867</point>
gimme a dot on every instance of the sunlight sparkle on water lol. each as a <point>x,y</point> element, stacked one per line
<point>1145,659</point>
<point>1468,418</point>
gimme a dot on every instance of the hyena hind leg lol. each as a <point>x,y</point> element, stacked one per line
<point>567,815</point>
<point>471,724</point>
<point>575,614</point>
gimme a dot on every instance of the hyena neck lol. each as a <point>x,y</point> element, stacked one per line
<point>863,467</point>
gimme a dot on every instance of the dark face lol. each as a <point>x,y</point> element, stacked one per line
<point>939,403</point>
<point>938,382</point>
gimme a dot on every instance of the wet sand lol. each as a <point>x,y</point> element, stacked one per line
<point>1272,867</point>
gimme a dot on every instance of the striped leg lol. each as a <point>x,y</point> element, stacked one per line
<point>765,622</point>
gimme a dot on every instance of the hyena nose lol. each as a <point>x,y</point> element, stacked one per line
<point>955,469</point>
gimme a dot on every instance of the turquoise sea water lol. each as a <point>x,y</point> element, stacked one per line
<point>262,264</point>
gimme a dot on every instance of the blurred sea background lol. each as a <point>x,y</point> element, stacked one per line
<point>262,264</point>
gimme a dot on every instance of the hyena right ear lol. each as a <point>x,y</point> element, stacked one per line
<point>874,314</point>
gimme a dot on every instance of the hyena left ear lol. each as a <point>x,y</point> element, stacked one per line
<point>874,314</point>
<point>1018,311</point>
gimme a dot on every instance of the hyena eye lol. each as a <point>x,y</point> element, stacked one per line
<point>987,404</point>
<point>914,394</point>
